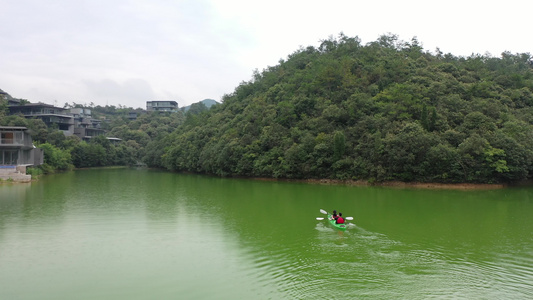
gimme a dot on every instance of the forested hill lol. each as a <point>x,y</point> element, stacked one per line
<point>386,110</point>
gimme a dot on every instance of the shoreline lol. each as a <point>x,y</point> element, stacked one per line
<point>398,184</point>
<point>389,184</point>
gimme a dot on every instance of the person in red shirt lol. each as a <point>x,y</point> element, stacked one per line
<point>340,219</point>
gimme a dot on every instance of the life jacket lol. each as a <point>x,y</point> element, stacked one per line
<point>340,220</point>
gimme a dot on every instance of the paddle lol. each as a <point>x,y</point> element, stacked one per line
<point>325,212</point>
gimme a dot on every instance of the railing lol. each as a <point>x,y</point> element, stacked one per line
<point>43,112</point>
<point>11,141</point>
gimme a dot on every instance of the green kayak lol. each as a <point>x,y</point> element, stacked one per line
<point>338,226</point>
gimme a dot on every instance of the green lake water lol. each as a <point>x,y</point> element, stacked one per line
<point>145,234</point>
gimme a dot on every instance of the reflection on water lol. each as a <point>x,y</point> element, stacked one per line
<point>138,234</point>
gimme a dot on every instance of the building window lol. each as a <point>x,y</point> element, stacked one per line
<point>6,138</point>
<point>9,157</point>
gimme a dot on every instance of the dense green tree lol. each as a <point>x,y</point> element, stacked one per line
<point>89,155</point>
<point>55,158</point>
<point>339,145</point>
<point>38,129</point>
<point>3,108</point>
<point>56,138</point>
<point>382,111</point>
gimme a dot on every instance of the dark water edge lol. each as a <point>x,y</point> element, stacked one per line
<point>325,181</point>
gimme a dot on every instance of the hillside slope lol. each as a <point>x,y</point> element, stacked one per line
<point>387,110</point>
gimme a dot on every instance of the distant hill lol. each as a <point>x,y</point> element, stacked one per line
<point>207,102</point>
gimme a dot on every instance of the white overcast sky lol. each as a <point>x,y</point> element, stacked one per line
<point>127,52</point>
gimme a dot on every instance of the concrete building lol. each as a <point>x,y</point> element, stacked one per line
<point>17,152</point>
<point>74,121</point>
<point>171,106</point>
<point>85,126</point>
<point>49,114</point>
